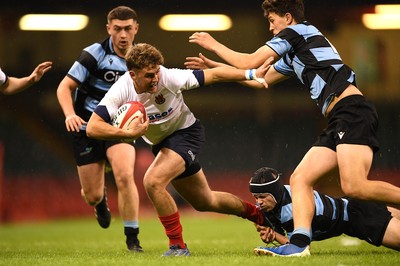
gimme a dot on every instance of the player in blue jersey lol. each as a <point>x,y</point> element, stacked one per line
<point>373,222</point>
<point>90,77</point>
<point>349,140</point>
<point>12,85</point>
<point>175,135</point>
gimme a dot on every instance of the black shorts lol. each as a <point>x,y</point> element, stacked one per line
<point>353,120</point>
<point>367,221</point>
<point>187,143</point>
<point>87,150</point>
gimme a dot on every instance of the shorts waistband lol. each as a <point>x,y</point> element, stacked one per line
<point>356,98</point>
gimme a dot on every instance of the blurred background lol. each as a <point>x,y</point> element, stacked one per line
<point>246,129</point>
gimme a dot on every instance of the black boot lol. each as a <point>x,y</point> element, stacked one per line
<point>102,212</point>
<point>132,241</point>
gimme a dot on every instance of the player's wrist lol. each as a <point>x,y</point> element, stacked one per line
<point>250,74</point>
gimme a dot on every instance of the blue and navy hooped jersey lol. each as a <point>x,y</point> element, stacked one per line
<point>96,70</point>
<point>306,54</point>
<point>329,218</point>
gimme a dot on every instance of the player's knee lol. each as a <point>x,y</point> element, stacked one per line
<point>93,201</point>
<point>353,191</point>
<point>296,180</point>
<point>91,198</point>
<point>124,180</point>
<point>148,184</point>
<point>300,181</point>
<point>152,185</point>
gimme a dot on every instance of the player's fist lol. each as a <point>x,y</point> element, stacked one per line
<point>267,235</point>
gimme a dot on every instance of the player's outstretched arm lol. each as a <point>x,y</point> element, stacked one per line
<point>236,59</point>
<point>15,85</point>
<point>228,74</point>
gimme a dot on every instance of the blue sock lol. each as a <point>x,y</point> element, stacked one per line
<point>131,224</point>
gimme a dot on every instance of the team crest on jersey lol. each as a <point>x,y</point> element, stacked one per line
<point>160,99</point>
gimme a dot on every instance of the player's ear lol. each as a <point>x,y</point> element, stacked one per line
<point>289,19</point>
<point>108,28</point>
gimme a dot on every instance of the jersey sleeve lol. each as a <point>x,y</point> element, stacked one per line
<point>176,80</point>
<point>282,46</point>
<point>284,68</point>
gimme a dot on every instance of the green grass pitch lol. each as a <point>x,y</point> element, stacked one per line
<point>212,239</point>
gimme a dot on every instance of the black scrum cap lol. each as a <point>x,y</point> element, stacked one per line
<point>266,180</point>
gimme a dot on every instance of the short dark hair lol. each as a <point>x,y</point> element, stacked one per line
<point>281,7</point>
<point>122,13</point>
<point>143,55</point>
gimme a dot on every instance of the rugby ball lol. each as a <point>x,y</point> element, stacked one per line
<point>127,113</point>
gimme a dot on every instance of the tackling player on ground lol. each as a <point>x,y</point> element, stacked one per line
<point>372,222</point>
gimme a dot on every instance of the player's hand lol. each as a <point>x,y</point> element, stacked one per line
<point>74,123</point>
<point>267,235</point>
<point>137,127</point>
<point>39,71</point>
<point>194,62</point>
<point>204,39</point>
<point>262,71</point>
<point>200,62</point>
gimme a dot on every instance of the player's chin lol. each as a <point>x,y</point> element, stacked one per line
<point>152,89</point>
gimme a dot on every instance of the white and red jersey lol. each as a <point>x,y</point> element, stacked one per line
<point>165,108</point>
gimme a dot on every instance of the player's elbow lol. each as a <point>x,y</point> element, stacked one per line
<point>90,132</point>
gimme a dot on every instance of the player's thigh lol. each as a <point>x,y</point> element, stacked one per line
<point>166,166</point>
<point>391,237</point>
<point>122,160</point>
<point>317,163</point>
<point>91,177</point>
<point>354,163</point>
<point>193,188</point>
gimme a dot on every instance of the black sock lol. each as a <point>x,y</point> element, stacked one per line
<point>131,231</point>
<point>131,236</point>
<point>300,240</point>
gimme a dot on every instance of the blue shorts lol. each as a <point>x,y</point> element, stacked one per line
<point>187,143</point>
<point>353,120</point>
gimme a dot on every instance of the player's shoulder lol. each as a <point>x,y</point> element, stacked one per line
<point>304,28</point>
<point>175,78</point>
<point>99,49</point>
<point>174,73</point>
